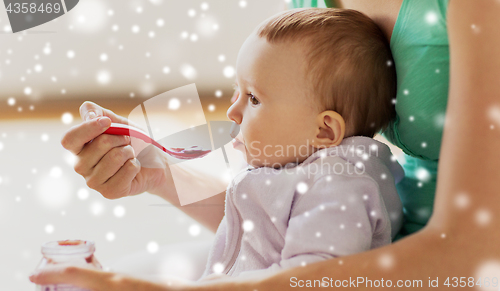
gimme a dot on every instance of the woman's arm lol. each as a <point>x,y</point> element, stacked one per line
<point>461,239</point>
<point>208,212</point>
<point>108,165</point>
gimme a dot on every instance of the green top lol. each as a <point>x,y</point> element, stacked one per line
<point>420,48</point>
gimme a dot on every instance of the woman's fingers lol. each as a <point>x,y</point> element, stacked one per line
<point>110,163</point>
<point>83,277</point>
<point>89,110</point>
<point>76,138</point>
<point>122,182</point>
<point>93,153</point>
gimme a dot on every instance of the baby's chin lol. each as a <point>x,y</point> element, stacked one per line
<point>270,162</point>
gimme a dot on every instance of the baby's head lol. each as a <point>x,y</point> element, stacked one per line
<point>307,78</point>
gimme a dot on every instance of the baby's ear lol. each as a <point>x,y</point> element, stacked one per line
<point>330,130</point>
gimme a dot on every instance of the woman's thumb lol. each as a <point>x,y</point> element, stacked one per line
<point>90,110</point>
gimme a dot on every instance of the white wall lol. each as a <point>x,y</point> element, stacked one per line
<point>87,30</point>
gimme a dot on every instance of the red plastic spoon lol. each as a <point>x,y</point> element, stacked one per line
<point>179,153</point>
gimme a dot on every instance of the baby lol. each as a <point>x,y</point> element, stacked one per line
<point>314,87</point>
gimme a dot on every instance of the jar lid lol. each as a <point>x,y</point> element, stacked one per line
<point>68,247</point>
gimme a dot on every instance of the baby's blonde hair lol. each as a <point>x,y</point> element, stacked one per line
<point>350,63</point>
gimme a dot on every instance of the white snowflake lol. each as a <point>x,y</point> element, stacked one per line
<point>494,114</point>
<point>302,187</point>
<point>174,104</point>
<point>136,29</point>
<point>218,268</point>
<point>188,71</point>
<point>462,200</point>
<point>49,228</point>
<point>97,208</point>
<point>483,217</point>
<point>110,236</point>
<point>119,211</point>
<point>229,72</point>
<point>67,118</point>
<point>103,57</point>
<point>248,225</point>
<point>82,193</point>
<point>103,77</point>
<point>431,17</point>
<point>386,261</point>
<point>152,247</point>
<point>44,137</point>
<point>11,101</point>
<point>422,174</point>
<point>194,230</point>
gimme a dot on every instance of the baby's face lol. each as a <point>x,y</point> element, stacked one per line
<point>275,109</point>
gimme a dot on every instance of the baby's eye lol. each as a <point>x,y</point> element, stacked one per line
<point>253,99</point>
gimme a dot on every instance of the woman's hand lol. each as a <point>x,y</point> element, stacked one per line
<point>108,162</point>
<point>97,280</point>
<point>78,276</point>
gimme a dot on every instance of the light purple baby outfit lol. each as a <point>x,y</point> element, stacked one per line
<point>340,201</point>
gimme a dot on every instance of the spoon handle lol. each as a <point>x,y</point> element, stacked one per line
<point>123,129</point>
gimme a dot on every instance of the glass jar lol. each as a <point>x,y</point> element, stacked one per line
<point>74,252</point>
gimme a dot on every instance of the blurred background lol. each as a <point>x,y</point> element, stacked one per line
<point>116,54</point>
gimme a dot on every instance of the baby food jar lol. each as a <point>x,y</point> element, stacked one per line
<point>74,252</point>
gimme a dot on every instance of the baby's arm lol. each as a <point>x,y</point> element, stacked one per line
<point>337,216</point>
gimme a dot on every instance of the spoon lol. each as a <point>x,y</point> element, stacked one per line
<point>179,153</point>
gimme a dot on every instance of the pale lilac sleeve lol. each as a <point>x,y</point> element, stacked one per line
<point>336,216</point>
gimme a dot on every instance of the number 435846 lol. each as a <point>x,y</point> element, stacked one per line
<point>32,8</point>
<point>471,282</point>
